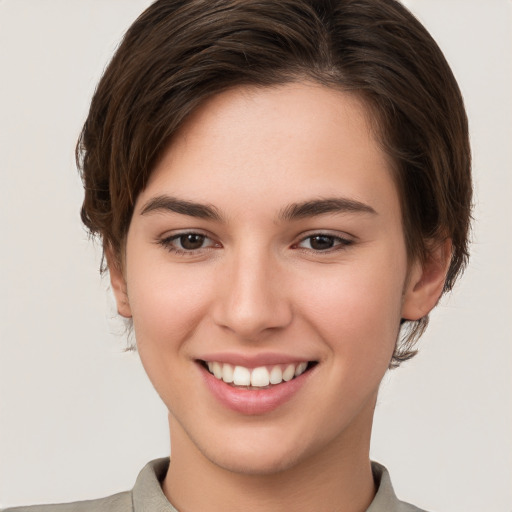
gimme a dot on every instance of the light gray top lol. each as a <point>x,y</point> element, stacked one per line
<point>147,495</point>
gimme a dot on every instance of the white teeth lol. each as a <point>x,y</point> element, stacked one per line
<point>289,372</point>
<point>241,376</point>
<point>260,377</point>
<point>301,368</point>
<point>217,370</point>
<point>257,377</point>
<point>276,375</point>
<point>227,373</point>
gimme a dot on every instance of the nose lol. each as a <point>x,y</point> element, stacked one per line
<point>252,296</point>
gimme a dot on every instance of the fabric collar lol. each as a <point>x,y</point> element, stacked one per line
<point>148,496</point>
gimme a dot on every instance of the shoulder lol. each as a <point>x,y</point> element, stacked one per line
<point>386,500</point>
<point>407,507</point>
<point>121,502</point>
<point>146,495</point>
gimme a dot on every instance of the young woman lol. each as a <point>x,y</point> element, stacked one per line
<point>283,191</point>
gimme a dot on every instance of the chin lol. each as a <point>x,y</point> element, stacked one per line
<point>260,451</point>
<point>254,462</point>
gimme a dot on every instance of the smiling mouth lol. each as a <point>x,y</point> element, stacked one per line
<point>257,378</point>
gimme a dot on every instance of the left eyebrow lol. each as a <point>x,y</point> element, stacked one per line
<point>323,206</point>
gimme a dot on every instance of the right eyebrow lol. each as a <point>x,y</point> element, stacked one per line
<point>190,208</point>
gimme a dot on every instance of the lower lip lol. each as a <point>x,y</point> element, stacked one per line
<point>253,401</point>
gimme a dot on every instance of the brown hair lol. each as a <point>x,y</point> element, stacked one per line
<point>180,52</point>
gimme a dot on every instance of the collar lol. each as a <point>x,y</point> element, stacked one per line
<point>148,496</point>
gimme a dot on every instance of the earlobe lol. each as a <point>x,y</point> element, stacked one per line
<point>118,283</point>
<point>426,282</point>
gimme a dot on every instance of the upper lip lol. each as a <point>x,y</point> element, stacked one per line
<point>253,360</point>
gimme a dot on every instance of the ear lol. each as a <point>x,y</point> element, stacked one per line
<point>426,282</point>
<point>118,283</point>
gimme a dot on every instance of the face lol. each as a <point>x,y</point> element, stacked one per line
<point>267,245</point>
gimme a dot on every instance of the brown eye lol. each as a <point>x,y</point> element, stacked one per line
<point>191,241</point>
<point>321,242</point>
<point>187,243</point>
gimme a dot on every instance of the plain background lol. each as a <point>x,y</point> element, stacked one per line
<point>78,418</point>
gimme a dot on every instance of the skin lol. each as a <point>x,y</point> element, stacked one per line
<point>259,285</point>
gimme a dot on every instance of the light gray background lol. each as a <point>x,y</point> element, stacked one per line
<point>78,418</point>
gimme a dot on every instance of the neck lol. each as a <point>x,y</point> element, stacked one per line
<point>337,478</point>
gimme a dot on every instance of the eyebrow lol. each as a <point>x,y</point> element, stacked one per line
<point>181,206</point>
<point>324,206</point>
<point>293,211</point>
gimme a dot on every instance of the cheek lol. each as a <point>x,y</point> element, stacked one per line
<point>356,309</point>
<point>166,306</point>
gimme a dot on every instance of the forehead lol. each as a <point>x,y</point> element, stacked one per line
<point>293,141</point>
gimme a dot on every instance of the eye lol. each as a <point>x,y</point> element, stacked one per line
<point>323,242</point>
<point>191,241</point>
<point>187,242</point>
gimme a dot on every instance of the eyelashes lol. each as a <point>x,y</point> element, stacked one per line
<point>192,243</point>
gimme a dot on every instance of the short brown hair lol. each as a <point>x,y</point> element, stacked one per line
<point>180,52</point>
